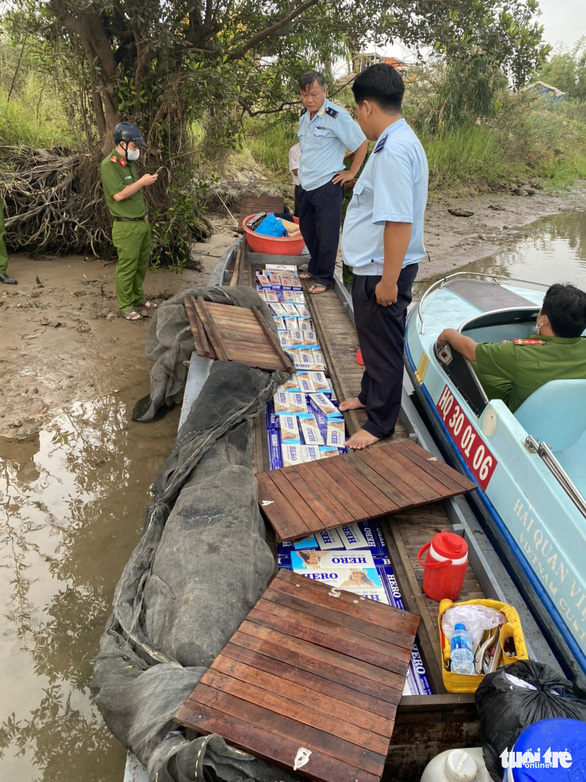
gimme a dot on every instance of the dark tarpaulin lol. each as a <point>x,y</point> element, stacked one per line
<point>200,565</point>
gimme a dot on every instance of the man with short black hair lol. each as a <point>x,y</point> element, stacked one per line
<point>512,371</point>
<point>382,241</point>
<point>325,131</point>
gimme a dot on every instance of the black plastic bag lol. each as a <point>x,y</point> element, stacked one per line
<point>506,707</point>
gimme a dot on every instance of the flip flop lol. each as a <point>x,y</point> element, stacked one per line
<point>305,276</point>
<point>317,289</point>
<point>148,305</point>
<point>131,315</point>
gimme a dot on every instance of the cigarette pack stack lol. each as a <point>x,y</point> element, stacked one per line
<point>303,424</point>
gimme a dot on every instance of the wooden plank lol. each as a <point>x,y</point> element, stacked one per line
<point>318,683</point>
<point>373,501</point>
<point>210,331</point>
<point>287,366</point>
<point>321,482</point>
<point>288,521</point>
<point>202,346</point>
<point>314,498</point>
<point>406,473</point>
<point>346,602</point>
<point>291,701</point>
<point>344,620</point>
<point>457,482</point>
<point>395,477</point>
<point>349,643</point>
<point>297,501</point>
<point>359,675</point>
<point>281,749</point>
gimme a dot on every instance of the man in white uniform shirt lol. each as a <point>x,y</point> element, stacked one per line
<point>325,132</point>
<point>382,241</point>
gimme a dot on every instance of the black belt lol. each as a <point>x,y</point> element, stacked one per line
<point>129,219</point>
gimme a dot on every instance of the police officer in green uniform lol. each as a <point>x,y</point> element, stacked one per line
<point>4,254</point>
<point>131,232</point>
<point>511,371</point>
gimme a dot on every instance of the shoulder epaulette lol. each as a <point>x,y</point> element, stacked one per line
<point>332,112</point>
<point>528,342</point>
<point>380,144</point>
<point>113,159</point>
<point>122,162</point>
<point>303,111</point>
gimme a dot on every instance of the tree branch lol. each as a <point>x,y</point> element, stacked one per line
<point>272,30</point>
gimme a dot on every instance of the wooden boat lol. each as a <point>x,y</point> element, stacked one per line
<point>425,724</point>
<point>530,466</point>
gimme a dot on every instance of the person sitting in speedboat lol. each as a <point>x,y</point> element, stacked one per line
<point>512,371</point>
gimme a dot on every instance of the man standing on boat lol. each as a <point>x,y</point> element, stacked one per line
<point>382,241</point>
<point>512,371</point>
<point>325,131</point>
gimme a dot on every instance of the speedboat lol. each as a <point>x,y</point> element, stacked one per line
<point>529,466</point>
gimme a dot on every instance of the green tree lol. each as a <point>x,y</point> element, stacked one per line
<point>163,63</point>
<point>566,70</point>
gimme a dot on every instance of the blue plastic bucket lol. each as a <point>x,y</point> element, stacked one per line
<point>548,751</point>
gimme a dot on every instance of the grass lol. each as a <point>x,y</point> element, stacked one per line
<point>33,117</point>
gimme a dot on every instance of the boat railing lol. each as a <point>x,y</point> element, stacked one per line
<point>544,451</point>
<point>448,278</point>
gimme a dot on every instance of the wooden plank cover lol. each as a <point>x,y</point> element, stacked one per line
<point>310,681</point>
<point>307,498</point>
<point>233,333</point>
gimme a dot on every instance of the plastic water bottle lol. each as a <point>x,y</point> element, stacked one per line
<point>461,651</point>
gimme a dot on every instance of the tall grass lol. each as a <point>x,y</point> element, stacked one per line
<point>33,116</point>
<point>269,142</point>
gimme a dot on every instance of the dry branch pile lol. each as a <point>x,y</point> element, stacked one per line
<point>53,201</point>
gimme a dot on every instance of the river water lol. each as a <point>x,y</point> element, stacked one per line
<point>73,503</point>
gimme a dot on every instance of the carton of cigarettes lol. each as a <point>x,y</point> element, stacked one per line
<point>302,311</point>
<point>305,383</point>
<point>278,309</point>
<point>297,337</point>
<point>352,537</point>
<point>285,339</point>
<point>275,458</point>
<point>306,324</point>
<point>288,296</point>
<point>336,433</point>
<point>290,309</point>
<point>318,360</point>
<point>327,451</point>
<point>279,267</point>
<point>297,403</point>
<point>275,279</point>
<point>289,429</point>
<point>310,429</point>
<point>310,453</point>
<point>299,298</point>
<point>320,382</point>
<point>281,403</point>
<point>303,359</point>
<point>323,403</point>
<point>263,280</point>
<point>271,297</point>
<point>280,323</point>
<point>292,454</point>
<point>328,539</point>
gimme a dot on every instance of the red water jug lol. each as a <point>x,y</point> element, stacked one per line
<point>444,568</point>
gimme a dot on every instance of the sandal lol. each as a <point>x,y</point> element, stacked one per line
<point>131,315</point>
<point>317,289</point>
<point>305,276</point>
<point>148,305</point>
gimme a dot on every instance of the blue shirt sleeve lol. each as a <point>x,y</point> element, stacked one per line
<point>348,131</point>
<point>393,186</point>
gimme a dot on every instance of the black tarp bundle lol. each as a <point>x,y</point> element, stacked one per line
<point>200,565</point>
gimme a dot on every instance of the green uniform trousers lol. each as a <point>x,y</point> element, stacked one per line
<point>132,240</point>
<point>3,252</point>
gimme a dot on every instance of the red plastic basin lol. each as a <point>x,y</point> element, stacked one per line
<point>287,245</point>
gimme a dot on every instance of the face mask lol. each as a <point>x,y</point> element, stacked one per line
<point>538,327</point>
<point>133,154</point>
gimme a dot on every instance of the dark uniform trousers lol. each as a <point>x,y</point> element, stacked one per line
<point>381,334</point>
<point>320,215</point>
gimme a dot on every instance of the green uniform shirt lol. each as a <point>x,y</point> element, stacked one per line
<point>513,372</point>
<point>116,174</point>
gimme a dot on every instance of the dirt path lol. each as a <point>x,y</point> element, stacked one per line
<point>63,341</point>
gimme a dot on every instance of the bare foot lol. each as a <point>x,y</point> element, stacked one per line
<point>353,403</point>
<point>361,439</point>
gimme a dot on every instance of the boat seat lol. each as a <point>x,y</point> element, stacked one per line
<point>555,413</point>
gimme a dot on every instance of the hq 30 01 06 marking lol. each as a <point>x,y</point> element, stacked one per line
<point>476,453</point>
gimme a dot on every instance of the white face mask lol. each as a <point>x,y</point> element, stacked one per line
<point>133,154</point>
<point>539,326</point>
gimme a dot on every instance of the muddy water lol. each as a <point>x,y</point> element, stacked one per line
<point>554,251</point>
<point>73,502</point>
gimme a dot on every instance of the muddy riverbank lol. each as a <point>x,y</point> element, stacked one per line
<point>63,341</point>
